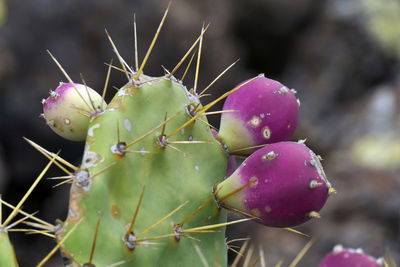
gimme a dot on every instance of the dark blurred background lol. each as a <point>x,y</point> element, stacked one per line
<point>341,56</point>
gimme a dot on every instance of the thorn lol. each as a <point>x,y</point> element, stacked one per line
<point>50,226</point>
<point>247,148</point>
<point>130,230</point>
<point>201,255</point>
<point>187,53</point>
<point>135,38</point>
<point>233,192</point>
<point>162,220</point>
<point>190,142</point>
<point>237,258</point>
<point>152,131</point>
<point>59,244</point>
<point>314,184</point>
<point>19,221</point>
<point>302,253</point>
<point>116,68</point>
<point>295,231</point>
<point>218,77</point>
<point>152,43</point>
<point>63,182</point>
<point>94,243</point>
<point>121,61</point>
<point>248,256</point>
<point>219,112</point>
<point>256,261</point>
<point>103,95</point>
<point>27,194</point>
<point>212,226</point>
<point>87,92</point>
<point>49,155</point>
<point>175,148</point>
<point>188,66</point>
<point>313,214</point>
<point>262,258</point>
<point>68,78</point>
<point>1,210</point>
<point>198,62</point>
<point>331,191</point>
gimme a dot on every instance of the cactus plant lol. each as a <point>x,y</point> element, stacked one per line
<point>151,182</point>
<point>348,257</point>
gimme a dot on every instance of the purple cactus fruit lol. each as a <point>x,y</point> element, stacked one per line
<point>231,159</point>
<point>282,184</point>
<point>68,114</point>
<point>348,257</point>
<point>265,112</point>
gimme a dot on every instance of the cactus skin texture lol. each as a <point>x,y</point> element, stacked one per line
<point>7,253</point>
<point>282,184</point>
<point>170,178</point>
<point>348,257</point>
<point>266,112</point>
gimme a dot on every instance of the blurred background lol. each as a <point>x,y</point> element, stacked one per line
<point>342,57</point>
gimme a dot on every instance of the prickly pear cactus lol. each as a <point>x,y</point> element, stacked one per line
<point>154,185</point>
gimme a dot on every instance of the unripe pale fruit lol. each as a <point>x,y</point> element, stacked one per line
<point>69,108</point>
<point>282,184</point>
<point>265,112</point>
<point>348,257</point>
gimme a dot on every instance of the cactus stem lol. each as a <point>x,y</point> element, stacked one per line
<point>117,263</point>
<point>302,252</point>
<point>247,148</point>
<point>43,223</point>
<point>217,255</point>
<point>103,95</point>
<point>240,254</point>
<point>103,170</point>
<point>27,194</point>
<point>151,131</point>
<point>153,42</point>
<point>248,256</point>
<point>116,68</point>
<point>201,255</point>
<point>219,76</point>
<point>190,142</point>
<point>163,219</point>
<point>196,75</point>
<point>135,41</point>
<point>49,155</point>
<point>121,60</point>
<point>187,67</point>
<point>54,250</point>
<point>68,78</point>
<point>130,230</point>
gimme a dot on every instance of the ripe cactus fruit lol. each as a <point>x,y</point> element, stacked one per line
<point>68,109</point>
<point>265,112</point>
<point>282,184</point>
<point>348,257</point>
<point>7,254</point>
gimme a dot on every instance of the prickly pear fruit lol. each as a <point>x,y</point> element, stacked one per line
<point>282,184</point>
<point>348,257</point>
<point>68,110</point>
<point>265,112</point>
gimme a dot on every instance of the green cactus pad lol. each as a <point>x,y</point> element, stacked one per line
<point>169,177</point>
<point>7,254</point>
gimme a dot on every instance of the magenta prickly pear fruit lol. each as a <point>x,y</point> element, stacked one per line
<point>69,108</point>
<point>282,184</point>
<point>348,257</point>
<point>265,112</point>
